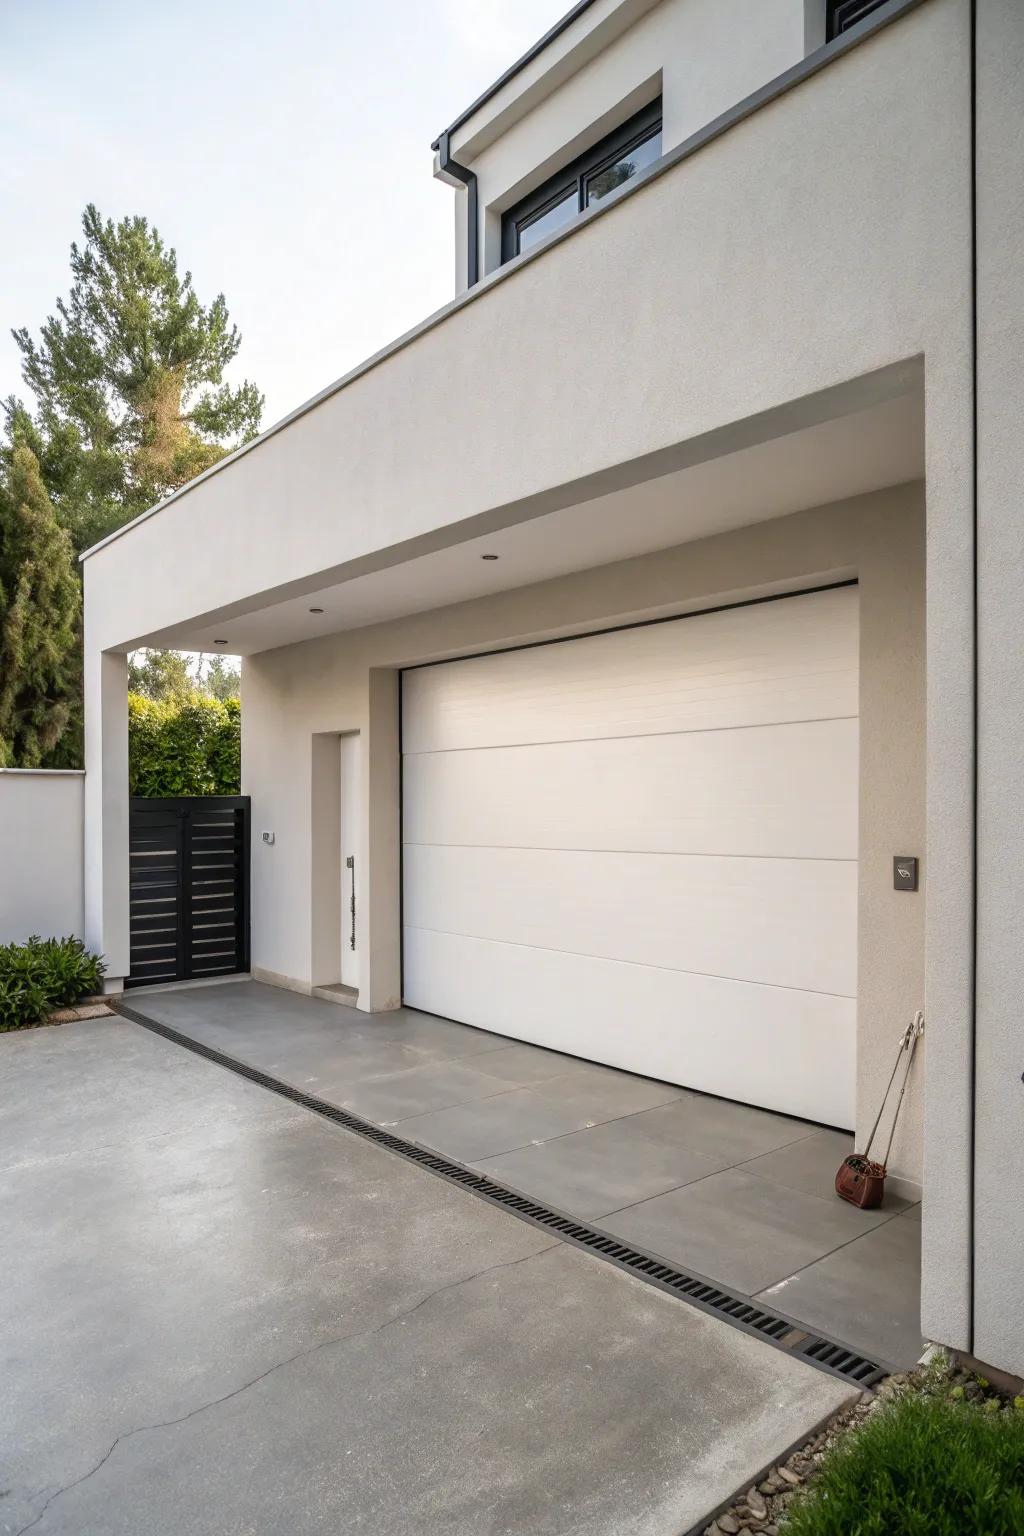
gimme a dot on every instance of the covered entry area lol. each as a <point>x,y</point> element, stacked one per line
<point>640,846</point>
<point>641,811</point>
<point>722,1192</point>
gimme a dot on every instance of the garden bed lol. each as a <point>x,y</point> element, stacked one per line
<point>48,981</point>
<point>934,1452</point>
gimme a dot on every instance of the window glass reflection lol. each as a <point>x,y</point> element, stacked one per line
<point>547,222</point>
<point>608,180</point>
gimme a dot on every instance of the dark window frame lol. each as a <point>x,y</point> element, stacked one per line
<point>574,176</point>
<point>841,15</point>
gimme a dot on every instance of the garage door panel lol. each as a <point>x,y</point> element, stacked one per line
<point>776,791</point>
<point>784,922</point>
<point>640,847</point>
<point>762,664</point>
<point>788,1050</point>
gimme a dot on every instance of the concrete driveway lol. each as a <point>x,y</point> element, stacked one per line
<point>741,1196</point>
<point>220,1313</point>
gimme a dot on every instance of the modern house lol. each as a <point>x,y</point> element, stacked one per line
<point>633,650</point>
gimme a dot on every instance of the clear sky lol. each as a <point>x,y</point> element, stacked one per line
<point>282,146</point>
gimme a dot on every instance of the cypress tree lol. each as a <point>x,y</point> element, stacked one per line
<point>40,618</point>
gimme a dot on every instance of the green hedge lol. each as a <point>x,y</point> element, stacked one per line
<point>189,746</point>
<point>43,974</point>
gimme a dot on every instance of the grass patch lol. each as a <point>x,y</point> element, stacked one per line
<point>924,1465</point>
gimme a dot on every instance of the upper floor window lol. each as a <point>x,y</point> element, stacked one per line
<point>844,14</point>
<point>588,180</point>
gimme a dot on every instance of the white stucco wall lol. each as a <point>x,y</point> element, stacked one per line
<point>106,799</point>
<point>40,854</point>
<point>702,56</point>
<point>999,1090</point>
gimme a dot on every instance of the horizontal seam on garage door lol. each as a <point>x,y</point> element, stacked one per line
<point>642,965</point>
<point>654,853</point>
<point>572,741</point>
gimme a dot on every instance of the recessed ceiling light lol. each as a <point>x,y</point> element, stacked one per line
<point>488,557</point>
<point>220,642</point>
<point>316,610</point>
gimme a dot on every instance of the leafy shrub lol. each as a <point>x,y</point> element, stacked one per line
<point>184,746</point>
<point>924,1466</point>
<point>43,974</point>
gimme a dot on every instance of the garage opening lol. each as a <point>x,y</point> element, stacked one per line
<point>640,847</point>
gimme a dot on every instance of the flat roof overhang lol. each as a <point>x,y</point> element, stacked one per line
<point>843,443</point>
<point>594,442</point>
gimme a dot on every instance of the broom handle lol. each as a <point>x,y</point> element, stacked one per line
<point>903,1088</point>
<point>908,1039</point>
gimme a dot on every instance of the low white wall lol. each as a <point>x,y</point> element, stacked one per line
<point>41,862</point>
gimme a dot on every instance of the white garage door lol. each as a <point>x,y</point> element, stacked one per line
<point>640,847</point>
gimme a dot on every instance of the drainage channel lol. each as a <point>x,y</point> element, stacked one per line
<point>783,1332</point>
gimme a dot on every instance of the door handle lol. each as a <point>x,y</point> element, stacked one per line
<point>350,863</point>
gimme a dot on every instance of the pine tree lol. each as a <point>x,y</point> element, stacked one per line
<point>128,378</point>
<point>40,618</point>
<point>130,403</point>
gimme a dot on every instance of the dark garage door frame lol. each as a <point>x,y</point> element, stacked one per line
<point>188,888</point>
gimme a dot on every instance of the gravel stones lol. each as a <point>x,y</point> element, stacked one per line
<point>762,1509</point>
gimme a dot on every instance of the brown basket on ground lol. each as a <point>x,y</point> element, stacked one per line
<point>860,1180</point>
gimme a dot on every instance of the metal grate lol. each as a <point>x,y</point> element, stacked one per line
<point>827,1354</point>
<point>840,1360</point>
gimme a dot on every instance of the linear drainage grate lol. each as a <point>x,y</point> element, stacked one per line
<point>828,1355</point>
<point>841,1361</point>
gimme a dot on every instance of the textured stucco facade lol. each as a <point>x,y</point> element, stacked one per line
<point>700,56</point>
<point>998,1087</point>
<point>813,260</point>
<point>739,317</point>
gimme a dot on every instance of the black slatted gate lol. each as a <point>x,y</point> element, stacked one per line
<point>189,863</point>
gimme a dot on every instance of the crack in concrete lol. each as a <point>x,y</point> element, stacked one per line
<point>301,1354</point>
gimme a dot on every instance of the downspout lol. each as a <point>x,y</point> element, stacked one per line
<point>455,172</point>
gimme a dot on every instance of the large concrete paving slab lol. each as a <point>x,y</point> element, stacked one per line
<point>221,1314</point>
<point>600,1144</point>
